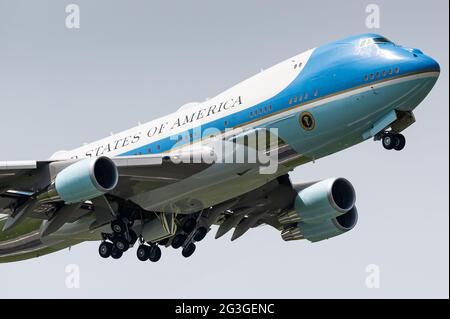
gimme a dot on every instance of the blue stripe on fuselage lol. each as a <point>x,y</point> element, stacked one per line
<point>336,67</point>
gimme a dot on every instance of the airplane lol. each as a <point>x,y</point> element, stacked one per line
<point>167,183</point>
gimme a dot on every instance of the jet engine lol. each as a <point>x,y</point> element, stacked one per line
<point>83,180</point>
<point>321,210</point>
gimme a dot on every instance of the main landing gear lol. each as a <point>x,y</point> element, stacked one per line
<point>392,141</point>
<point>152,252</point>
<point>190,234</point>
<point>121,239</point>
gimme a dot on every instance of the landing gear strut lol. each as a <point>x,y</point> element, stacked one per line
<point>392,141</point>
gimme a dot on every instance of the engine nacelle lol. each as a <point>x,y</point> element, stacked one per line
<point>320,200</point>
<point>317,231</point>
<point>83,180</point>
<point>321,210</point>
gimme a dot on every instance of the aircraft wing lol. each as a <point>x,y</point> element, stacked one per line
<point>19,180</point>
<point>261,206</point>
<point>138,173</point>
<point>21,174</point>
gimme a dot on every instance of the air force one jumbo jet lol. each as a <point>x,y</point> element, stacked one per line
<point>167,182</point>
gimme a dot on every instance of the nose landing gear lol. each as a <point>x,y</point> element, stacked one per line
<point>392,141</point>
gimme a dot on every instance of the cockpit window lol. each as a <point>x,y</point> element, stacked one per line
<point>381,40</point>
<point>369,41</point>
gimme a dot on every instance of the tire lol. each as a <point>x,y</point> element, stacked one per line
<point>400,142</point>
<point>118,226</point>
<point>115,253</point>
<point>143,253</point>
<point>188,250</point>
<point>189,225</point>
<point>200,233</point>
<point>178,241</point>
<point>121,244</point>
<point>105,249</point>
<point>154,254</point>
<point>388,141</point>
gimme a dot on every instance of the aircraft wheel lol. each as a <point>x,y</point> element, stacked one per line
<point>115,253</point>
<point>121,244</point>
<point>154,253</point>
<point>188,250</point>
<point>388,141</point>
<point>189,225</point>
<point>178,241</point>
<point>143,253</point>
<point>400,142</point>
<point>200,233</point>
<point>105,249</point>
<point>118,226</point>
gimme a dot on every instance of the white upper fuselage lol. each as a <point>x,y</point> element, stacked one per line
<point>244,95</point>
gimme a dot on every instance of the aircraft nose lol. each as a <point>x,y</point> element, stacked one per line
<point>432,64</point>
<point>423,62</point>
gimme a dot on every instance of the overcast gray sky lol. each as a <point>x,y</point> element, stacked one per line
<point>137,60</point>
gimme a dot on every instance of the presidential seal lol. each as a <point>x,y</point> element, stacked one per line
<point>307,121</point>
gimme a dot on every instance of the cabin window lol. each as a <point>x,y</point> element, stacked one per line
<point>225,123</point>
<point>372,76</point>
<point>366,78</point>
<point>149,150</point>
<point>306,95</point>
<point>397,70</point>
<point>290,101</point>
<point>384,73</point>
<point>378,75</point>
<point>158,147</point>
<point>270,107</point>
<point>390,72</point>
<point>295,99</point>
<point>316,92</point>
